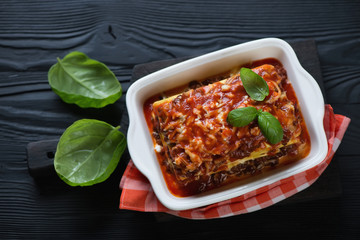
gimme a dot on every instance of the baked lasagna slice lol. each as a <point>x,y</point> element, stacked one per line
<point>198,147</point>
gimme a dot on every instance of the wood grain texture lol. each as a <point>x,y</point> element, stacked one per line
<point>123,34</point>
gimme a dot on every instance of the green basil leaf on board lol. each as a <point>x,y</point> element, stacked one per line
<point>254,84</point>
<point>241,117</point>
<point>86,82</point>
<point>270,127</point>
<point>88,152</point>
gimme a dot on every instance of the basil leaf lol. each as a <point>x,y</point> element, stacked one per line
<point>270,127</point>
<point>241,117</point>
<point>254,84</point>
<point>88,152</point>
<point>84,81</point>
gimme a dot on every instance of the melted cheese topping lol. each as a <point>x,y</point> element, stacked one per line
<point>197,140</point>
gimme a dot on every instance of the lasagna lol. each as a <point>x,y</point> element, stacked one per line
<point>197,148</point>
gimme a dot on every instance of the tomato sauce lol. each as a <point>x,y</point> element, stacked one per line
<point>206,182</point>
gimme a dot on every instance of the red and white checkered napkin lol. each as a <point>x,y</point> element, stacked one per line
<point>138,195</point>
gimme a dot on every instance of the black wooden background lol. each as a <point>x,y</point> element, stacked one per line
<point>123,34</point>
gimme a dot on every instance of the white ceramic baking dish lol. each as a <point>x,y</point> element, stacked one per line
<point>140,143</point>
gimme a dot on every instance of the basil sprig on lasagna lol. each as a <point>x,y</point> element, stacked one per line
<point>254,84</point>
<point>257,89</point>
<point>268,124</point>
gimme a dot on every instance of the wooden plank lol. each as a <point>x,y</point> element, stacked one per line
<point>346,78</point>
<point>143,35</point>
<point>123,34</point>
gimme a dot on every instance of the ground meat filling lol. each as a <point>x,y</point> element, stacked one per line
<point>197,148</point>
